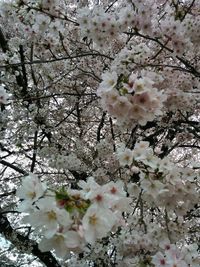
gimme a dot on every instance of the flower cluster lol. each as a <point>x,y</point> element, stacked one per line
<point>174,31</point>
<point>127,59</point>
<point>172,256</point>
<point>97,24</point>
<point>102,26</point>
<point>137,18</point>
<point>162,183</point>
<point>71,162</point>
<point>130,99</point>
<point>69,219</point>
<point>135,243</point>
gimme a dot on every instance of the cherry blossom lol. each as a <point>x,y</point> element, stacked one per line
<point>99,133</point>
<point>49,217</point>
<point>30,191</point>
<point>97,222</point>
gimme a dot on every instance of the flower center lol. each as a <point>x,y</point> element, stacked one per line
<point>51,215</point>
<point>162,262</point>
<point>99,198</point>
<point>93,220</point>
<point>113,190</point>
<point>31,195</point>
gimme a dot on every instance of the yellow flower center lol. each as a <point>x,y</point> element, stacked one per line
<point>51,215</point>
<point>93,220</point>
<point>31,195</point>
<point>111,82</point>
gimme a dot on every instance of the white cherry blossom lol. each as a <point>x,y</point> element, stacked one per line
<point>97,222</point>
<point>30,191</point>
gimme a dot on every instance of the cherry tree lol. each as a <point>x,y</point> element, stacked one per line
<point>99,133</point>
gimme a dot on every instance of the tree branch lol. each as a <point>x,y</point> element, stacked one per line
<point>10,165</point>
<point>23,243</point>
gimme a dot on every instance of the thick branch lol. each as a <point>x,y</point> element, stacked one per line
<point>101,124</point>
<point>14,167</point>
<point>3,42</point>
<point>24,244</point>
<point>34,151</point>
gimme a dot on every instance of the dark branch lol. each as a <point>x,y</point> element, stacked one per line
<point>100,126</point>
<point>23,243</point>
<point>14,167</point>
